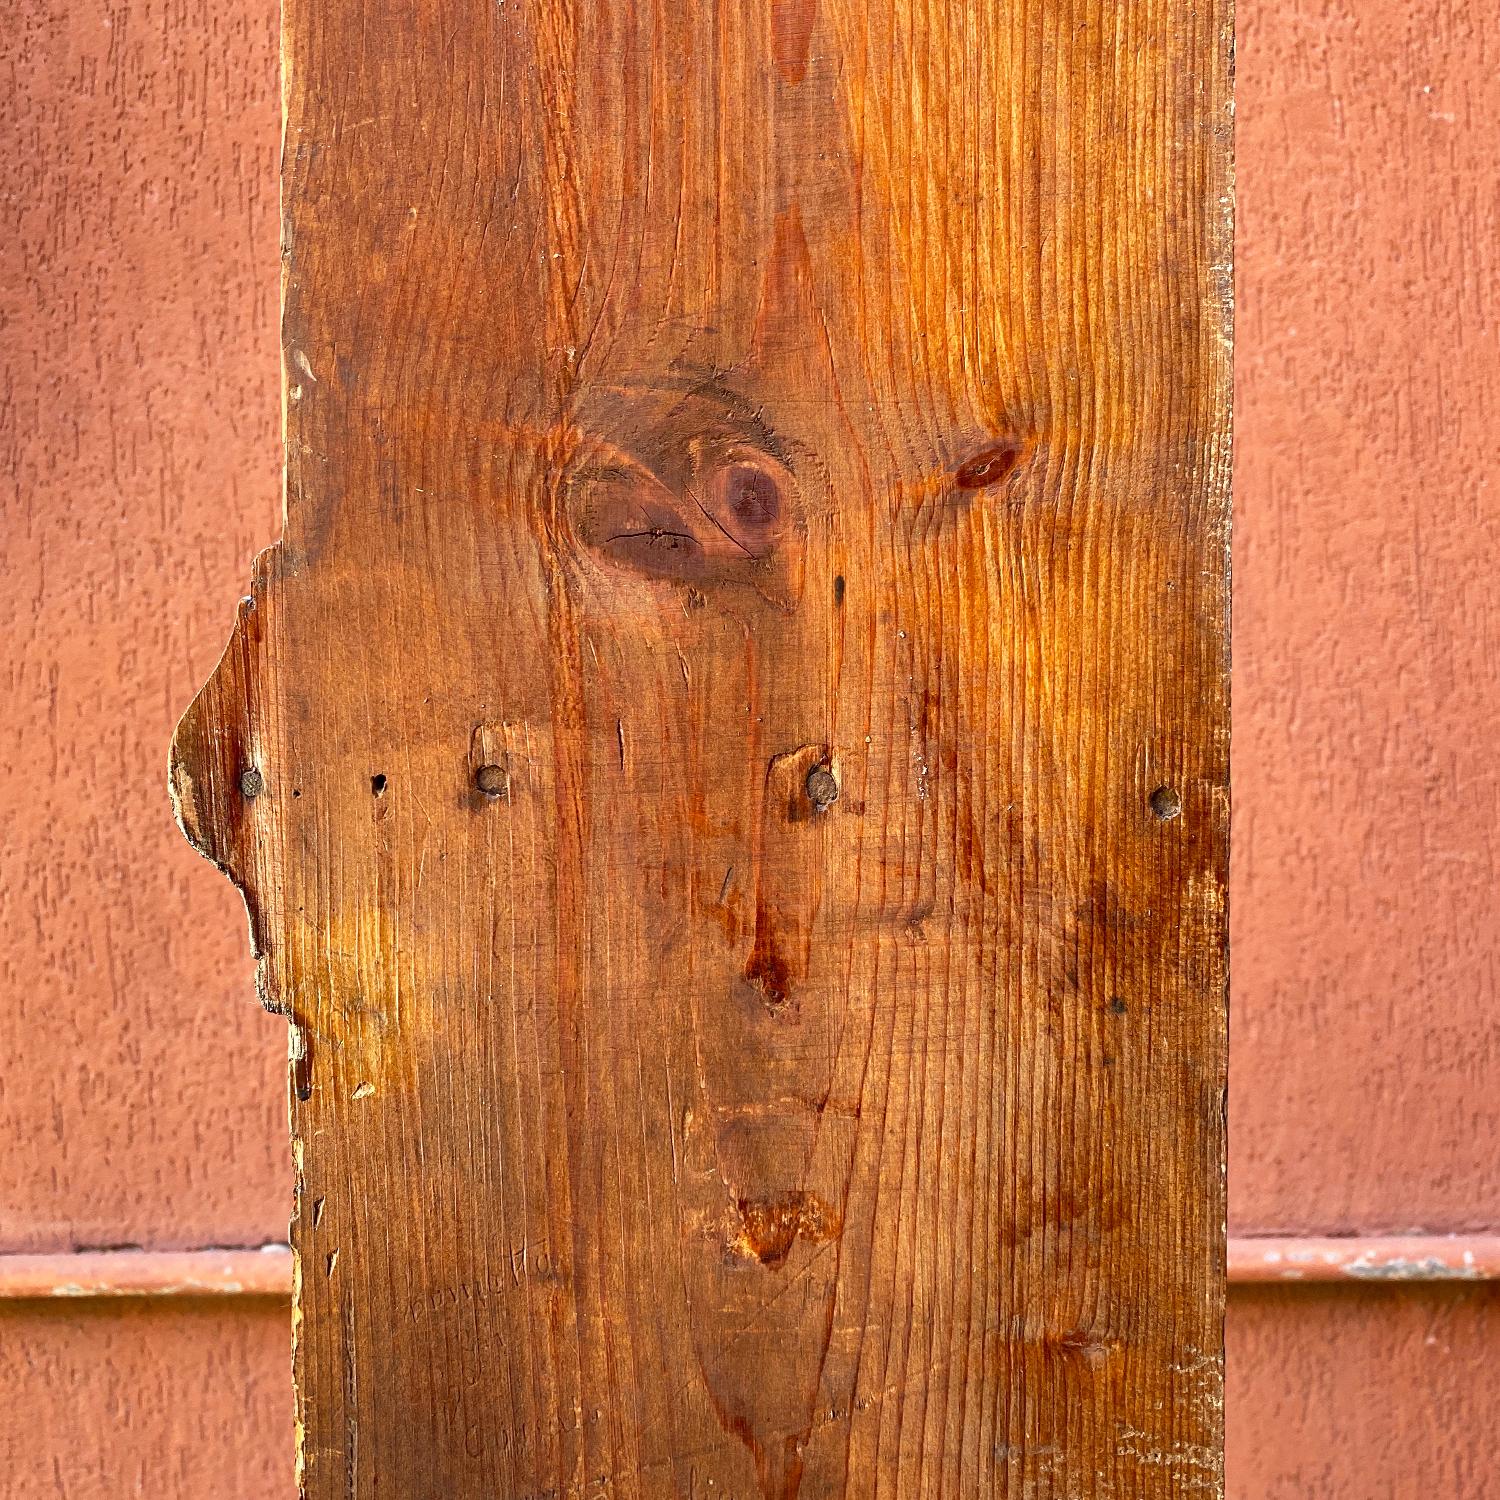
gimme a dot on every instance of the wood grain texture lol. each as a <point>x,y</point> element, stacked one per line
<point>728,763</point>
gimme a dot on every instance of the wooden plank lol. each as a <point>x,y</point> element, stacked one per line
<point>728,763</point>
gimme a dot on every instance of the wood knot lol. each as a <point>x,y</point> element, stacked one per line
<point>766,972</point>
<point>694,510</point>
<point>766,1230</point>
<point>995,463</point>
<point>750,496</point>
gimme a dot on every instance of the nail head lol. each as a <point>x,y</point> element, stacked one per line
<point>1166,804</point>
<point>822,788</point>
<point>492,780</point>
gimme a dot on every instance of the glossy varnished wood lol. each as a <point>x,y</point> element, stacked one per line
<point>728,763</point>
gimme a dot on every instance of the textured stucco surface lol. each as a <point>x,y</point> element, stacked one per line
<point>141,1096</point>
<point>1365,1044</point>
<point>108,1400</point>
<point>1363,1393</point>
<point>141,1093</point>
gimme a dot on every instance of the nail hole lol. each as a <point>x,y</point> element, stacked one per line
<point>377,784</point>
<point>252,783</point>
<point>1166,804</point>
<point>1118,1006</point>
<point>822,788</point>
<point>492,780</point>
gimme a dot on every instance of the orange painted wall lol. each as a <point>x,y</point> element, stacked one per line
<point>1363,1393</point>
<point>105,1400</point>
<point>141,1094</point>
<point>141,1090</point>
<point>1365,926</point>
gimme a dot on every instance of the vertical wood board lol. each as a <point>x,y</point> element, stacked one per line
<point>728,764</point>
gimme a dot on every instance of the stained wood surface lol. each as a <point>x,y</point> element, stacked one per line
<point>728,763</point>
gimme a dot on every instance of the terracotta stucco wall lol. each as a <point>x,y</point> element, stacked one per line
<point>141,1097</point>
<point>1366,933</point>
<point>141,1092</point>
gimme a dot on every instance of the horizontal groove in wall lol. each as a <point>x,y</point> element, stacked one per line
<point>1365,1258</point>
<point>266,1271</point>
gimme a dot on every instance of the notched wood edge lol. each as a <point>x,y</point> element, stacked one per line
<point>214,747</point>
<point>217,740</point>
